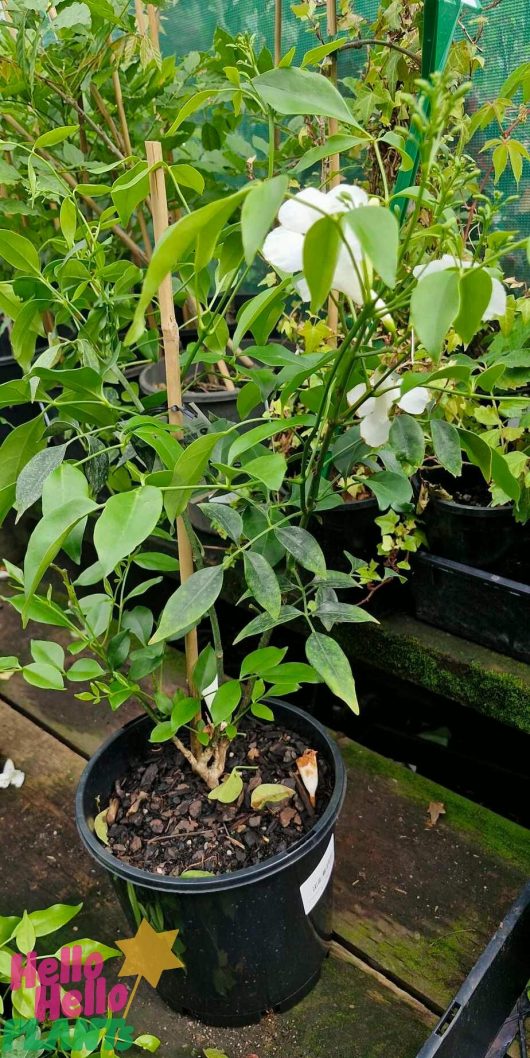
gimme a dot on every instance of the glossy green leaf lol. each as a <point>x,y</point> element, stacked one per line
<point>226,700</point>
<point>187,176</point>
<point>25,934</point>
<point>321,249</point>
<point>261,660</point>
<point>30,481</point>
<point>47,539</point>
<point>146,1042</point>
<point>65,482</point>
<point>200,99</point>
<point>68,221</point>
<point>295,91</point>
<point>331,663</point>
<point>262,582</point>
<point>303,547</point>
<point>188,472</point>
<point>259,211</point>
<point>269,469</point>
<point>184,711</point>
<point>390,489</point>
<point>48,652</point>
<point>258,306</point>
<point>52,918</point>
<point>264,622</point>
<point>333,145</point>
<point>84,669</point>
<point>127,519</point>
<point>19,252</point>
<point>224,518</point>
<point>434,306</point>
<point>475,293</point>
<point>129,190</point>
<point>189,603</point>
<point>407,440</point>
<point>446,445</point>
<point>20,445</point>
<point>244,442</point>
<point>47,677</point>
<point>377,230</point>
<point>157,560</point>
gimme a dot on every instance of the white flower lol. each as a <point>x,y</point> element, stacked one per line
<point>497,303</point>
<point>374,412</point>
<point>10,776</point>
<point>284,246</point>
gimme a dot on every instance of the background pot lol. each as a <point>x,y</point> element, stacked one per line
<point>350,527</point>
<point>252,941</point>
<point>221,402</point>
<point>476,536</point>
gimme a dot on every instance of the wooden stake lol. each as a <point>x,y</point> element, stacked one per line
<point>118,95</point>
<point>334,160</point>
<point>152,18</point>
<point>140,17</point>
<point>277,31</point>
<point>170,342</point>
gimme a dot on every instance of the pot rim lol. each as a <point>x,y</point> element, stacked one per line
<point>472,510</point>
<point>195,396</point>
<point>219,882</point>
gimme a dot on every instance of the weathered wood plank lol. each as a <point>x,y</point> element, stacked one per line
<point>351,1014</point>
<point>421,901</point>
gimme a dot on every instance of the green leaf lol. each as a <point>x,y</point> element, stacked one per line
<point>303,547</point>
<point>100,827</point>
<point>174,246</point>
<point>333,145</point>
<point>84,669</point>
<point>40,610</point>
<point>44,650</point>
<point>19,252</point>
<point>188,176</point>
<point>65,482</point>
<point>503,477</point>
<point>407,440</point>
<point>343,613</point>
<point>262,659</point>
<point>162,732</point>
<point>55,136</point>
<point>258,306</point>
<point>225,518</point>
<point>47,677</point>
<point>147,1042</point>
<point>269,469</point>
<point>188,472</point>
<point>259,210</point>
<point>183,711</point>
<point>194,103</point>
<point>475,294</point>
<point>189,603</point>
<point>205,669</point>
<point>31,479</point>
<point>261,711</point>
<point>446,446</point>
<point>156,560</point>
<point>8,664</point>
<point>52,918</point>
<point>478,451</point>
<point>68,221</point>
<point>264,622</point>
<point>127,519</point>
<point>226,700</point>
<point>19,447</point>
<point>331,663</point>
<point>263,582</point>
<point>269,793</point>
<point>390,489</point>
<point>377,230</point>
<point>321,249</point>
<point>90,947</point>
<point>229,790</point>
<point>295,91</point>
<point>25,934</point>
<point>315,55</point>
<point>250,438</point>
<point>47,539</point>
<point>129,190</point>
<point>434,306</point>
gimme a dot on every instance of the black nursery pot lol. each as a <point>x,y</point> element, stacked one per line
<point>350,527</point>
<point>223,403</point>
<point>252,941</point>
<point>476,536</point>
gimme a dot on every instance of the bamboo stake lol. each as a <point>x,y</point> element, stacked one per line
<point>152,18</point>
<point>128,150</point>
<point>140,17</point>
<point>170,342</point>
<point>107,116</point>
<point>334,160</point>
<point>277,52</point>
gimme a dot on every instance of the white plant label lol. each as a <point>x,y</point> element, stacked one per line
<point>311,890</point>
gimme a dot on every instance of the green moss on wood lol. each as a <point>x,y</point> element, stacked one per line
<point>497,686</point>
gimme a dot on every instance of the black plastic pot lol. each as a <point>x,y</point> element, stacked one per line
<point>350,527</point>
<point>477,536</point>
<point>473,603</point>
<point>223,403</point>
<point>251,941</point>
<point>489,1010</point>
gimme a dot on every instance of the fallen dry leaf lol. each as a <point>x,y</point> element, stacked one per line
<point>435,810</point>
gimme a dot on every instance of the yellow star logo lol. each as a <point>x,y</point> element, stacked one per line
<point>148,954</point>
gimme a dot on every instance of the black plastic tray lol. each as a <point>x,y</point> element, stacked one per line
<point>488,1013</point>
<point>484,607</point>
